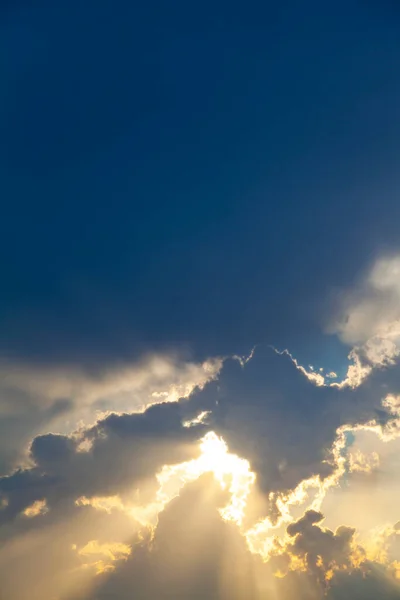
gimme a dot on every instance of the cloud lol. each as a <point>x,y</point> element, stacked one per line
<point>362,463</point>
<point>271,413</point>
<point>102,557</point>
<point>36,399</point>
<point>266,410</point>
<point>371,306</point>
<point>327,564</point>
<point>39,507</point>
<point>193,554</point>
<point>369,583</point>
<point>124,450</point>
<point>368,315</point>
<point>58,553</point>
<point>266,431</point>
<point>232,472</point>
<point>322,550</point>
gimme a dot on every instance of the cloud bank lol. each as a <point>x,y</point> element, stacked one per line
<point>170,479</point>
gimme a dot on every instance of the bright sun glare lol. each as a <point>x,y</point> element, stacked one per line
<point>232,473</point>
<point>229,470</point>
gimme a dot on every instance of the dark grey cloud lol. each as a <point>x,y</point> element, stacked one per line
<point>130,140</point>
<point>321,548</point>
<point>368,584</point>
<point>123,451</point>
<point>36,399</point>
<point>269,412</point>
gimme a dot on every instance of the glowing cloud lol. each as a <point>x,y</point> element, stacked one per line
<point>363,463</point>
<point>232,473</point>
<point>104,555</point>
<point>368,318</point>
<point>37,508</point>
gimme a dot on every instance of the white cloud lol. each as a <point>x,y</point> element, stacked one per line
<point>369,314</point>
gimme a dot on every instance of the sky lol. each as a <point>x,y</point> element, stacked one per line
<point>200,300</point>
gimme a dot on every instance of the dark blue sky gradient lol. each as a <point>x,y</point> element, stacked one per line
<point>191,177</point>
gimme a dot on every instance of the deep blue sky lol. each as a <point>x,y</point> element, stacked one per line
<point>188,176</point>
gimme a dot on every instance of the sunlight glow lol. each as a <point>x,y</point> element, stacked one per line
<point>267,537</point>
<point>101,557</point>
<point>262,538</point>
<point>230,471</point>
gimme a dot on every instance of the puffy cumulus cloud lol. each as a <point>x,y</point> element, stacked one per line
<point>314,562</point>
<point>195,554</point>
<point>273,437</point>
<point>373,304</point>
<point>321,550</point>
<point>368,318</point>
<point>266,409</point>
<point>271,413</point>
<point>82,557</point>
<point>123,451</point>
<point>232,472</point>
<point>21,419</point>
<point>34,399</point>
